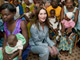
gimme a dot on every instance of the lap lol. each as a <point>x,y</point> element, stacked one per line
<point>39,49</point>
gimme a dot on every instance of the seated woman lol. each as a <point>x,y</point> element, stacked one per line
<point>39,41</point>
<point>68,8</point>
<point>12,26</point>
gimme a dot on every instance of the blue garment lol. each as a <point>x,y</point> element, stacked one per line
<point>1,42</point>
<point>1,25</point>
<point>40,37</point>
<point>78,23</point>
<point>1,30</point>
<point>40,41</point>
<point>25,53</point>
<point>20,9</point>
<point>65,11</point>
<point>79,4</point>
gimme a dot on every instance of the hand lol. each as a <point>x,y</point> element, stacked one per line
<point>62,32</point>
<point>4,55</point>
<point>71,38</point>
<point>69,43</point>
<point>55,50</point>
<point>55,31</point>
<point>20,58</point>
<point>69,30</point>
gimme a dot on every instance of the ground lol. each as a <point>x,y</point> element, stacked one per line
<point>75,55</point>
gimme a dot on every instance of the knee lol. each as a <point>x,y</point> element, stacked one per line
<point>45,52</point>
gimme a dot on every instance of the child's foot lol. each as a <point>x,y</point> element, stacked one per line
<point>66,53</point>
<point>61,52</point>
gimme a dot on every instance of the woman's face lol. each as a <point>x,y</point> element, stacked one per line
<point>7,15</point>
<point>69,4</point>
<point>42,15</point>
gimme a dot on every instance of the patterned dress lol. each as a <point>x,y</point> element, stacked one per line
<point>63,42</point>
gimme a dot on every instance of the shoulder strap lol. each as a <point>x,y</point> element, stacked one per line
<point>18,23</point>
<point>75,9</point>
<point>5,29</point>
<point>65,10</point>
<point>17,29</point>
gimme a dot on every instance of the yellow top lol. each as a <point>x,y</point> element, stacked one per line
<point>57,11</point>
<point>31,7</point>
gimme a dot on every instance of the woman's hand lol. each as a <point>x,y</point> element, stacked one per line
<point>69,43</point>
<point>69,30</point>
<point>6,56</point>
<point>55,50</point>
<point>20,58</point>
<point>62,32</point>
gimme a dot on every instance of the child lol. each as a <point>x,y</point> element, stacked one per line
<point>37,5</point>
<point>27,12</point>
<point>12,26</point>
<point>53,20</point>
<point>68,23</point>
<point>15,42</point>
<point>55,26</point>
<point>19,9</point>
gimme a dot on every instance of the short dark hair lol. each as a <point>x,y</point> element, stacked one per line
<point>28,8</point>
<point>8,6</point>
<point>52,10</point>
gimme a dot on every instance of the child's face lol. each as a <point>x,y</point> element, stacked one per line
<point>7,15</point>
<point>12,41</point>
<point>27,10</point>
<point>12,44</point>
<point>69,4</point>
<point>26,1</point>
<point>52,13</point>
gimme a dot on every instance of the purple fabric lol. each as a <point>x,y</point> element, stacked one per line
<point>16,30</point>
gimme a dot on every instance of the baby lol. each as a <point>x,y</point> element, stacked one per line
<point>68,25</point>
<point>15,43</point>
